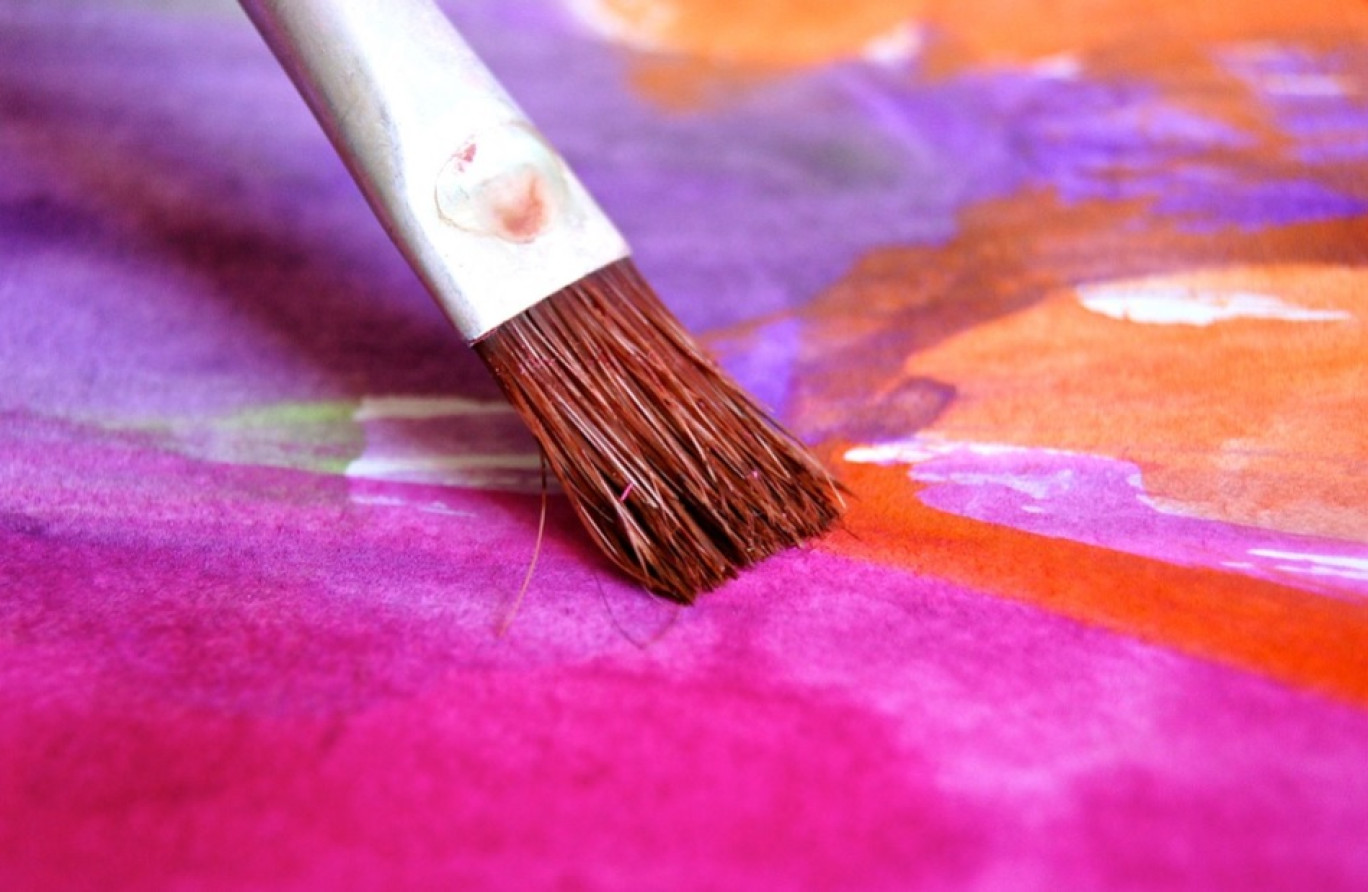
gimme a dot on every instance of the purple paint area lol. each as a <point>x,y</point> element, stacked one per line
<point>1210,200</point>
<point>196,253</point>
<point>1102,501</point>
<point>223,676</point>
<point>753,204</point>
<point>177,236</point>
<point>1317,99</point>
<point>758,361</point>
<point>1111,140</point>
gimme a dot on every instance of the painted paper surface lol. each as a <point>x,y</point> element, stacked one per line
<point>1078,312</point>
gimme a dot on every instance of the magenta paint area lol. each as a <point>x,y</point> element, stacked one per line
<point>231,677</point>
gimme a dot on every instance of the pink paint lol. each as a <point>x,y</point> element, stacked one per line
<point>230,676</point>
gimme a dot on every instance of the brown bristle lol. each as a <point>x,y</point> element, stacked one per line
<point>680,477</point>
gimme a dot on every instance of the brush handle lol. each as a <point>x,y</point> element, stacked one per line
<point>484,209</point>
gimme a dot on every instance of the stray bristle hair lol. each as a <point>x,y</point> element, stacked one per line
<point>679,476</point>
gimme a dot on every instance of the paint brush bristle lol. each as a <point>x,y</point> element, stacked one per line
<point>678,474</point>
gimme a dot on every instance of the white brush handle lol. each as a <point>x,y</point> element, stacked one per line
<point>485,210</point>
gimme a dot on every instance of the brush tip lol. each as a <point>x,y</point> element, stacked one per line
<point>680,477</point>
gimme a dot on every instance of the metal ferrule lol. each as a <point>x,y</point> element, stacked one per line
<point>488,214</point>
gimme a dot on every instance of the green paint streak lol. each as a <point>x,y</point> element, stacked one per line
<point>319,437</point>
<point>292,415</point>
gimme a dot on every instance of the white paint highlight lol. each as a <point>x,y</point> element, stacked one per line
<point>645,26</point>
<point>896,46</point>
<point>1038,488</point>
<point>1339,566</point>
<point>427,507</point>
<point>926,447</point>
<point>907,452</point>
<point>381,468</point>
<point>1176,305</point>
<point>1061,67</point>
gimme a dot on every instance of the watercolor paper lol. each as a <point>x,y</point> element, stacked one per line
<point>1074,304</point>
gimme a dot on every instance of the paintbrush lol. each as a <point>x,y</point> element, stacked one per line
<point>677,473</point>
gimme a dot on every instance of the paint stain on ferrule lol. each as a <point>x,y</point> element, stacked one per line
<point>507,183</point>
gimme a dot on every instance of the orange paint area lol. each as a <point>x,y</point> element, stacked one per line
<point>1295,636</point>
<point>1254,421</point>
<point>758,34</point>
<point>768,34</point>
<point>1000,31</point>
<point>1248,420</point>
<point>704,51</point>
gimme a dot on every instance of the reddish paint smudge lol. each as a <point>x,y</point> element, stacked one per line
<point>523,217</point>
